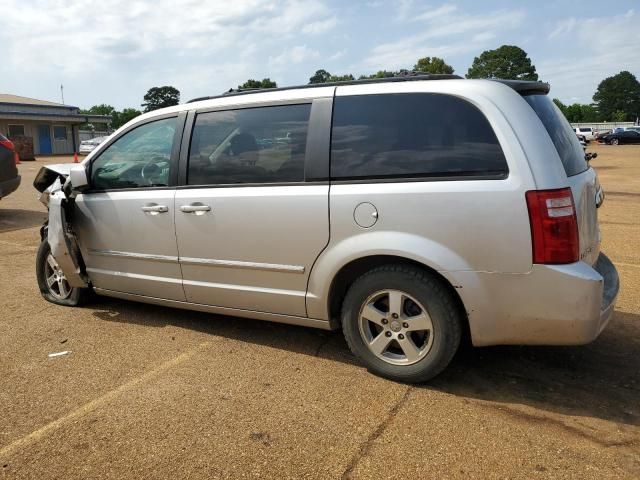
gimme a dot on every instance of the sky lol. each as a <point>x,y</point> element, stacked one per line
<point>113,51</point>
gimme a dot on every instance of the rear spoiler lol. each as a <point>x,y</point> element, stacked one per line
<point>526,87</point>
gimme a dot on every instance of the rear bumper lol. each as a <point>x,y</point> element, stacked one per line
<point>551,305</point>
<point>9,186</point>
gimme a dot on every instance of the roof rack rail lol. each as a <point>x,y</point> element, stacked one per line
<point>404,77</point>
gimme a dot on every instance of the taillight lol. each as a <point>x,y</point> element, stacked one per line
<point>7,144</point>
<point>554,228</point>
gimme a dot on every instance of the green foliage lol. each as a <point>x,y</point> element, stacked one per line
<point>618,97</point>
<point>432,65</point>
<point>102,109</point>
<point>619,116</point>
<point>579,112</point>
<point>508,62</point>
<point>120,118</point>
<point>161,97</point>
<point>117,118</point>
<point>264,83</point>
<point>321,76</point>
<point>379,74</point>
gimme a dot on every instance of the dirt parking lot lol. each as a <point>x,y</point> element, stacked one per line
<point>150,392</point>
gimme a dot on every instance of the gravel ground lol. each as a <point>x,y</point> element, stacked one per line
<point>150,392</point>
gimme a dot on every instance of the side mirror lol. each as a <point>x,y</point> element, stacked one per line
<point>78,177</point>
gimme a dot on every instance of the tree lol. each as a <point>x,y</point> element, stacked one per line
<point>102,109</point>
<point>432,65</point>
<point>379,74</point>
<point>160,97</point>
<point>120,118</point>
<point>618,97</point>
<point>508,62</point>
<point>561,106</point>
<point>264,83</point>
<point>321,76</point>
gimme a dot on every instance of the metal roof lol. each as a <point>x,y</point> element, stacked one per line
<point>18,100</point>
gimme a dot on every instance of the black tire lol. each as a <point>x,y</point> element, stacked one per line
<point>76,297</point>
<point>615,141</point>
<point>437,299</point>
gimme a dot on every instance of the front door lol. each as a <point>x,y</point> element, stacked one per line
<point>44,139</point>
<point>248,227</point>
<point>125,223</point>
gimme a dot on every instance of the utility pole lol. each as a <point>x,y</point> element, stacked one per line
<point>62,93</point>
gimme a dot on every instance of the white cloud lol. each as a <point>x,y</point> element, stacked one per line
<point>321,26</point>
<point>339,54</point>
<point>563,27</point>
<point>446,33</point>
<point>443,10</point>
<point>293,56</point>
<point>602,47</point>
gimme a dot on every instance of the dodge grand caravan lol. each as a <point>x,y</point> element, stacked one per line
<point>405,212</point>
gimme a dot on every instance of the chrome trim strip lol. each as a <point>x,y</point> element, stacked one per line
<point>274,267</point>
<point>137,256</point>
<point>271,317</point>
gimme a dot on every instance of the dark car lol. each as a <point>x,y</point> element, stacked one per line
<point>9,178</point>
<point>619,138</point>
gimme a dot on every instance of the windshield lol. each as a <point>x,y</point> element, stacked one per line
<point>560,132</point>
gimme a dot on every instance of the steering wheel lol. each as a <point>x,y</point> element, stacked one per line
<point>151,170</point>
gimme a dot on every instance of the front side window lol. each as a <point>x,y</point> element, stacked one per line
<point>412,135</point>
<point>251,145</point>
<point>139,158</point>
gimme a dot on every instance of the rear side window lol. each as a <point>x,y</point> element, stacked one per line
<point>251,145</point>
<point>561,134</point>
<point>412,135</point>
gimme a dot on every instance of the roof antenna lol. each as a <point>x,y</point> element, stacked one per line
<point>62,93</point>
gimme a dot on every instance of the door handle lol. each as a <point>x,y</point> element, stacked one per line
<point>197,208</point>
<point>155,209</point>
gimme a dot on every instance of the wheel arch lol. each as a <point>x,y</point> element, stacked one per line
<point>355,268</point>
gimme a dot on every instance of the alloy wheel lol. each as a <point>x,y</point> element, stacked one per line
<point>396,327</point>
<point>57,283</point>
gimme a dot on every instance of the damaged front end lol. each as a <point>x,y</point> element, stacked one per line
<point>56,193</point>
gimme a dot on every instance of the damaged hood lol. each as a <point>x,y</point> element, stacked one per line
<point>50,173</point>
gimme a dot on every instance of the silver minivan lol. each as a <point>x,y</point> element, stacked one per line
<point>408,212</point>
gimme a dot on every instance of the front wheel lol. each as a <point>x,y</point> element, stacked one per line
<point>402,323</point>
<point>53,285</point>
<point>615,141</point>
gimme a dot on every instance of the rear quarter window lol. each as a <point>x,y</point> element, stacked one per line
<point>561,134</point>
<point>412,135</point>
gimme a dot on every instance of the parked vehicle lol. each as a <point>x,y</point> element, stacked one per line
<point>9,178</point>
<point>622,137</point>
<point>405,211</point>
<point>586,132</point>
<point>87,146</point>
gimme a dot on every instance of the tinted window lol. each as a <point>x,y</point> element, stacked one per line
<point>252,145</point>
<point>140,158</point>
<point>412,135</point>
<point>562,136</point>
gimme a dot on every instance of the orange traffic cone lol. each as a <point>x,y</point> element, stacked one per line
<point>75,157</point>
<point>16,158</point>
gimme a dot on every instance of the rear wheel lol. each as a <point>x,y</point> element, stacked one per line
<point>53,285</point>
<point>402,323</point>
